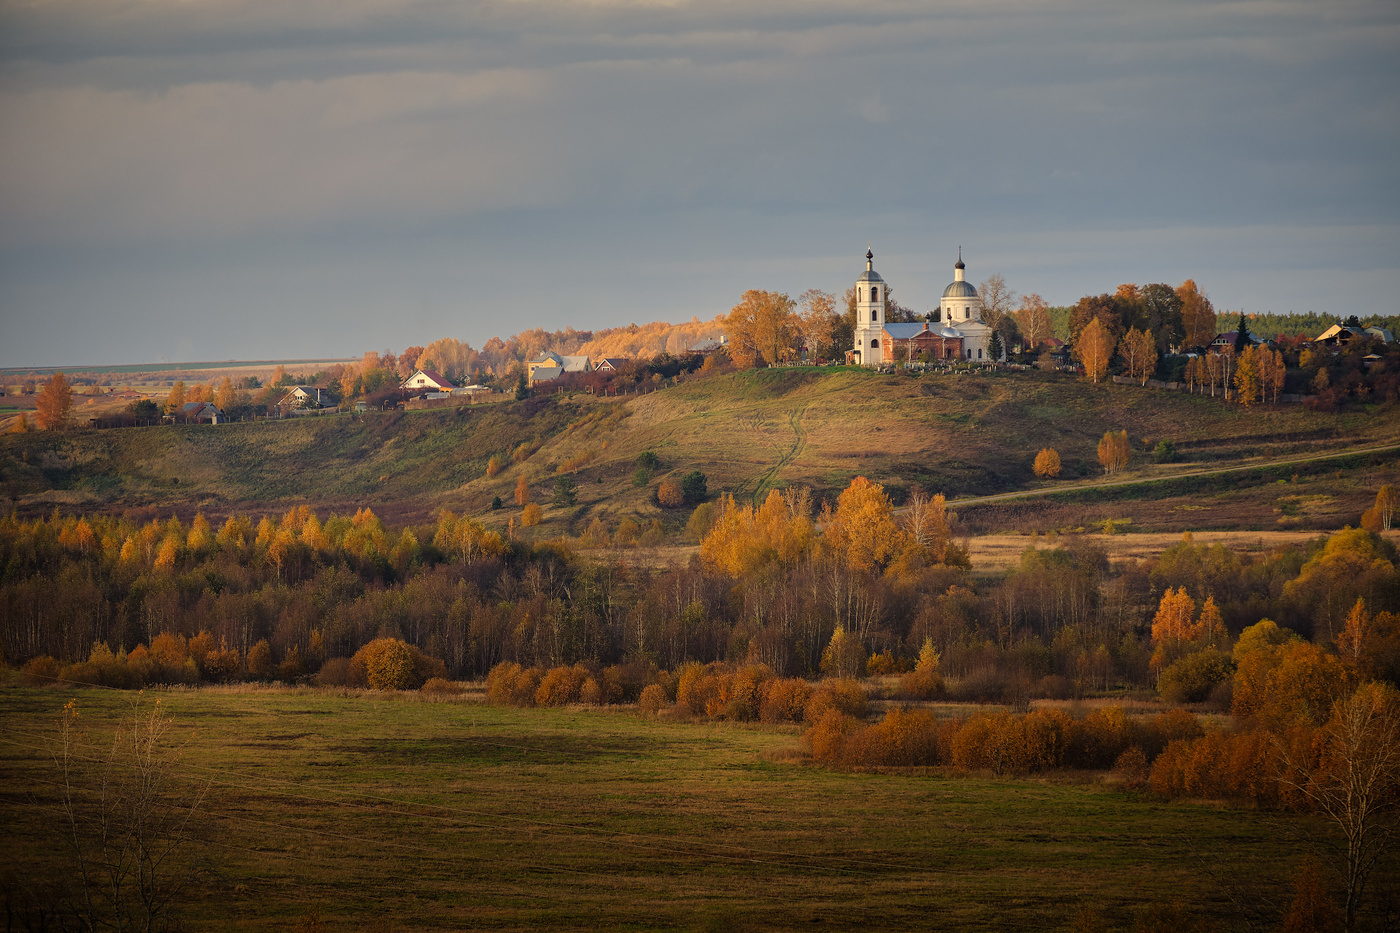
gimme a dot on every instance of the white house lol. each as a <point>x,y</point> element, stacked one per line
<point>427,379</point>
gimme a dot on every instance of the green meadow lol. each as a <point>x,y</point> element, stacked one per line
<point>400,813</point>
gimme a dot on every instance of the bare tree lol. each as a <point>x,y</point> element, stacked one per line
<point>997,300</point>
<point>127,812</point>
<point>1352,777</point>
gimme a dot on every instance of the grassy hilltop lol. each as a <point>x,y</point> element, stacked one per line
<point>965,436</point>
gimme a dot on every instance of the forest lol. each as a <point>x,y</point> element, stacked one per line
<point>278,598</point>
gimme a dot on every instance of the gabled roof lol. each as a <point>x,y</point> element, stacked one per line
<point>312,393</point>
<point>432,377</point>
<point>546,373</point>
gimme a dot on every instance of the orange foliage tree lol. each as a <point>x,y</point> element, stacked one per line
<point>1094,349</point>
<point>54,403</point>
<point>1114,451</point>
<point>1047,463</point>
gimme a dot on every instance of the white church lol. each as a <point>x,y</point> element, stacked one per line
<point>959,334</point>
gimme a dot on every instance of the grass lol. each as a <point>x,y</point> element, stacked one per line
<point>451,815</point>
<point>749,432</point>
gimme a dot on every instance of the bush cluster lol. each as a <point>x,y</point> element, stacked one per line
<point>721,691</point>
<point>998,742</point>
<point>510,684</point>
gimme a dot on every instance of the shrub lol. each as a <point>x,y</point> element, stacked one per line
<point>1192,678</point>
<point>334,673</point>
<point>41,671</point>
<point>383,664</point>
<point>653,699</point>
<point>1131,768</point>
<point>441,686</point>
<point>828,737</point>
<point>697,686</point>
<point>784,700</point>
<point>904,738</point>
<point>669,494</point>
<point>509,684</point>
<point>845,695</point>
<point>561,686</point>
<point>260,661</point>
<point>1098,739</point>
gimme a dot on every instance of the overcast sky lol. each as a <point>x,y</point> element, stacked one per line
<point>227,179</point>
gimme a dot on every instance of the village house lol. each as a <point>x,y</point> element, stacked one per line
<point>304,398</point>
<point>427,380</point>
<point>1339,335</point>
<point>551,365</point>
<point>201,413</point>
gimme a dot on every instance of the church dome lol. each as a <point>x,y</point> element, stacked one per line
<point>960,290</point>
<point>869,275</point>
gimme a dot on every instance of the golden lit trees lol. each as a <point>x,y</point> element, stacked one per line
<point>928,524</point>
<point>1139,352</point>
<point>744,540</point>
<point>1094,349</point>
<point>1114,451</point>
<point>1173,621</point>
<point>862,530</point>
<point>1047,463</point>
<point>1247,382</point>
<point>54,403</point>
<point>762,326</point>
<point>1197,315</point>
<point>176,399</point>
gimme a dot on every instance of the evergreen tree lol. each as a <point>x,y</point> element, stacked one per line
<point>1242,341</point>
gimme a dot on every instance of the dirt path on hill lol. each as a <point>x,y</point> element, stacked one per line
<point>1167,477</point>
<point>998,552</point>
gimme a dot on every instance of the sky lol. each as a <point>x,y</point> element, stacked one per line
<point>190,180</point>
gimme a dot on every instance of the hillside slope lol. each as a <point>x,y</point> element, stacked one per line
<point>749,432</point>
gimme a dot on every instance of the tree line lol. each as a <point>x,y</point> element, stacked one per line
<point>772,584</point>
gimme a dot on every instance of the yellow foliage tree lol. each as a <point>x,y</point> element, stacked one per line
<point>1114,451</point>
<point>763,325</point>
<point>1139,352</point>
<point>1094,349</point>
<point>862,530</point>
<point>1047,463</point>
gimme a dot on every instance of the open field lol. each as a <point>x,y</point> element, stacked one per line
<point>968,437</point>
<point>451,815</point>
